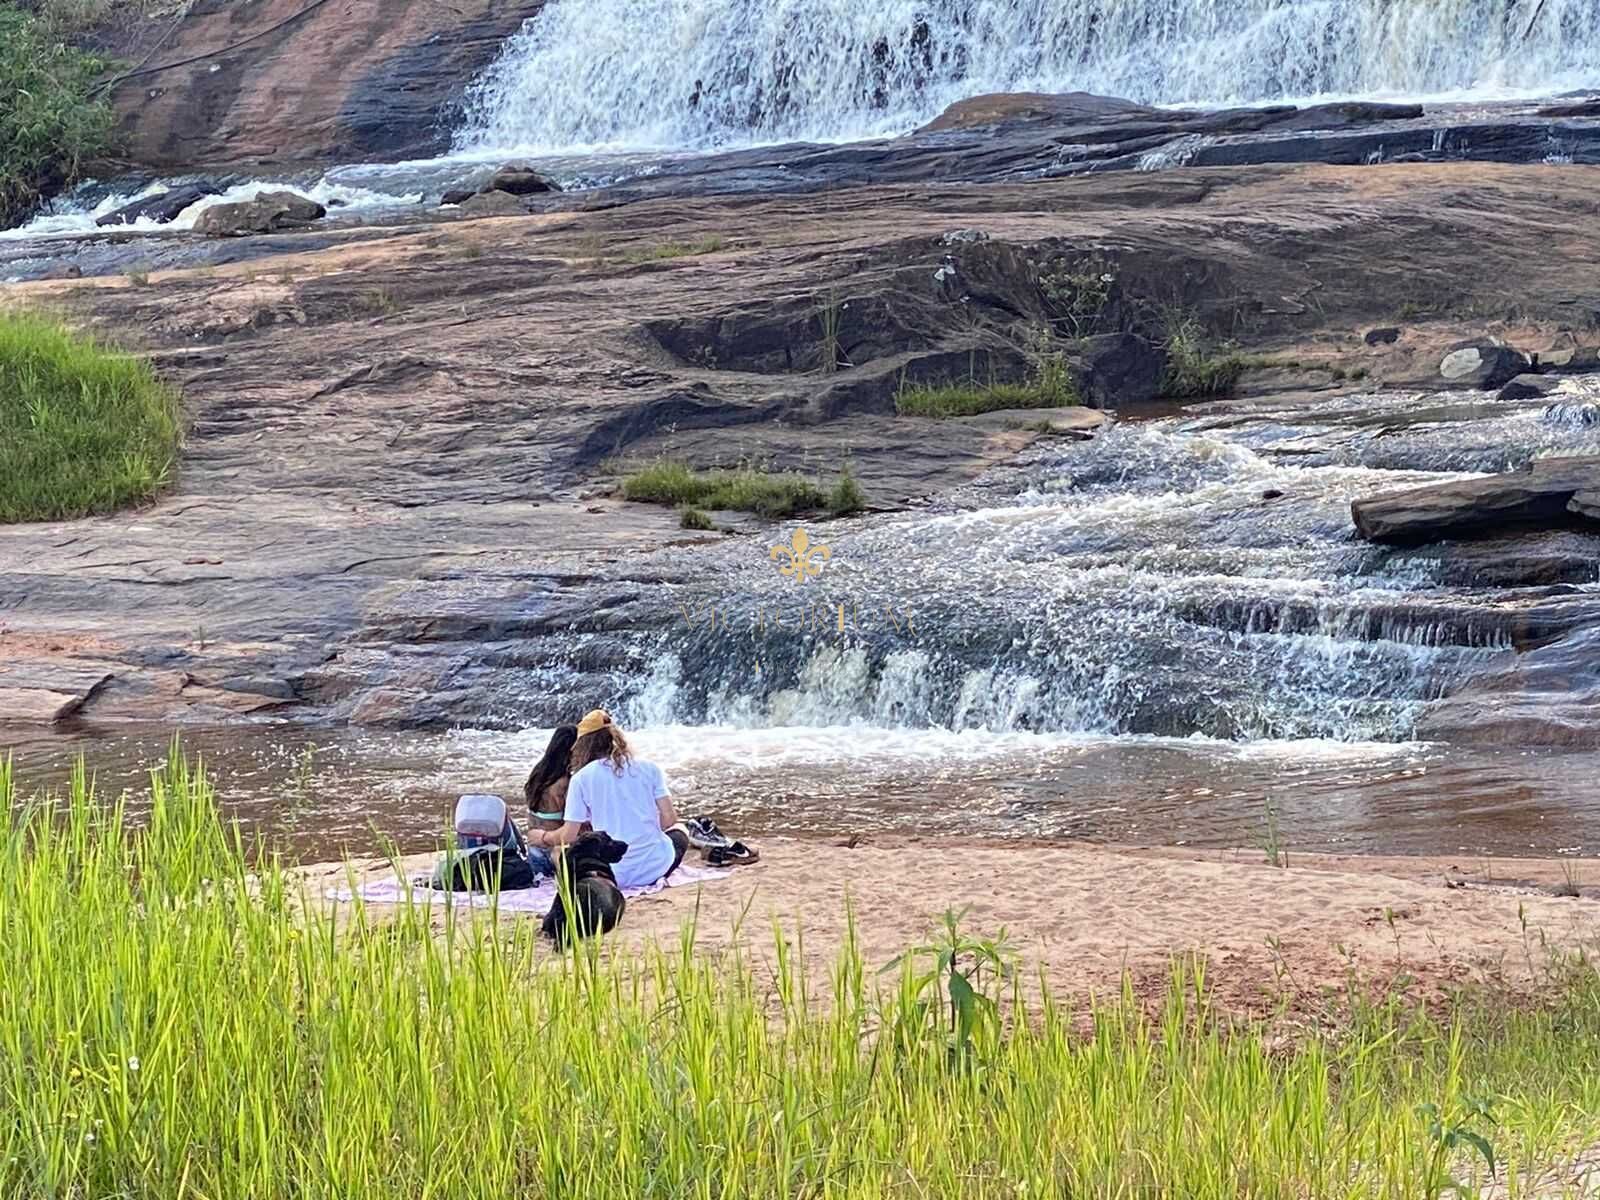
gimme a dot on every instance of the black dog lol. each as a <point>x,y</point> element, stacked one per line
<point>584,874</point>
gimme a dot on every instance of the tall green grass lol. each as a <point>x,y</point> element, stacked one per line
<point>177,1024</point>
<point>82,429</point>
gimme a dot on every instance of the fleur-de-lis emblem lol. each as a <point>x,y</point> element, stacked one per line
<point>802,558</point>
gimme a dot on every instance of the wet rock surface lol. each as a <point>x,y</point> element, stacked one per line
<point>1541,494</point>
<point>392,507</point>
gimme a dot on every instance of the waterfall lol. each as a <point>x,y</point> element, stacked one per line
<point>697,73</point>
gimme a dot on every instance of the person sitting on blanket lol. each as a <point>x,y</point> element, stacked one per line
<point>546,789</point>
<point>621,796</point>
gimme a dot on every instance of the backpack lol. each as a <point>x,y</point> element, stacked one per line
<point>483,869</point>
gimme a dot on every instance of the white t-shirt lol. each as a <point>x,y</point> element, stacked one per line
<point>624,807</point>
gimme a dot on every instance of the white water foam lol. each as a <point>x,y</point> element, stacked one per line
<point>67,219</point>
<point>586,74</point>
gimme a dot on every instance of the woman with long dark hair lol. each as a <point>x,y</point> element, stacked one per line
<point>546,789</point>
<point>624,797</point>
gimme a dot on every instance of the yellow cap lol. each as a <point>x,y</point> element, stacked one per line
<point>596,720</point>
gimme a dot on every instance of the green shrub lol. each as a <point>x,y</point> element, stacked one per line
<point>82,429</point>
<point>846,496</point>
<point>743,490</point>
<point>49,125</point>
<point>1195,367</point>
<point>690,517</point>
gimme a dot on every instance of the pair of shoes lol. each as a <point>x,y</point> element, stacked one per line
<point>735,855</point>
<point>704,834</point>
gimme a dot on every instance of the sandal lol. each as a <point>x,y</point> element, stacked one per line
<point>736,855</point>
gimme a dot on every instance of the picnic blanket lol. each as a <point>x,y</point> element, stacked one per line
<point>528,900</point>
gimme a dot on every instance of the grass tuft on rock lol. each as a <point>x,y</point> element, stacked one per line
<point>690,517</point>
<point>184,1017</point>
<point>742,490</point>
<point>83,429</point>
<point>1195,367</point>
<point>846,496</point>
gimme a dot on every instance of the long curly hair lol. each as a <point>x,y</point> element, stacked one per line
<point>607,743</point>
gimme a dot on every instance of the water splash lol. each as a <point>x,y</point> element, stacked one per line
<point>694,73</point>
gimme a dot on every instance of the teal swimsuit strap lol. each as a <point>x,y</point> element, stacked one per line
<point>539,816</point>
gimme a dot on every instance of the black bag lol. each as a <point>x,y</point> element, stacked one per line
<point>483,869</point>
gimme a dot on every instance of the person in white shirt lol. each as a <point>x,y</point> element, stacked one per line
<point>623,797</point>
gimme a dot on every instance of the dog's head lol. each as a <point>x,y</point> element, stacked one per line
<point>595,848</point>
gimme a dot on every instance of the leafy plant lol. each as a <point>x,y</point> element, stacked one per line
<point>1078,292</point>
<point>1451,1132</point>
<point>49,124</point>
<point>957,965</point>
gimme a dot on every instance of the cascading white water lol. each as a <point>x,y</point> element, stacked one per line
<point>691,73</point>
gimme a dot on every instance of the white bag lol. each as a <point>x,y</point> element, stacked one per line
<point>480,816</point>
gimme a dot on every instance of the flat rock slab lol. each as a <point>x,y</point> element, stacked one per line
<point>1540,494</point>
<point>45,692</point>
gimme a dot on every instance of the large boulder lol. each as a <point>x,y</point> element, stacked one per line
<point>1481,364</point>
<point>161,208</point>
<point>1539,494</point>
<point>269,212</point>
<point>494,204</point>
<point>519,179</point>
<point>1120,368</point>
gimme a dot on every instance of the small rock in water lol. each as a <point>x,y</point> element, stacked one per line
<point>267,213</point>
<point>519,179</point>
<point>1527,387</point>
<point>457,196</point>
<point>1272,494</point>
<point>1482,364</point>
<point>1387,336</point>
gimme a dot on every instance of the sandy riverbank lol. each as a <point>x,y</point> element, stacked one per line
<point>1084,914</point>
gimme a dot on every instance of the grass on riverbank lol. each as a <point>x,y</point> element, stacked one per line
<point>83,429</point>
<point>174,1025</point>
<point>743,489</point>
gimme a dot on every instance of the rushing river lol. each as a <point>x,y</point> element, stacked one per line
<point>1156,637</point>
